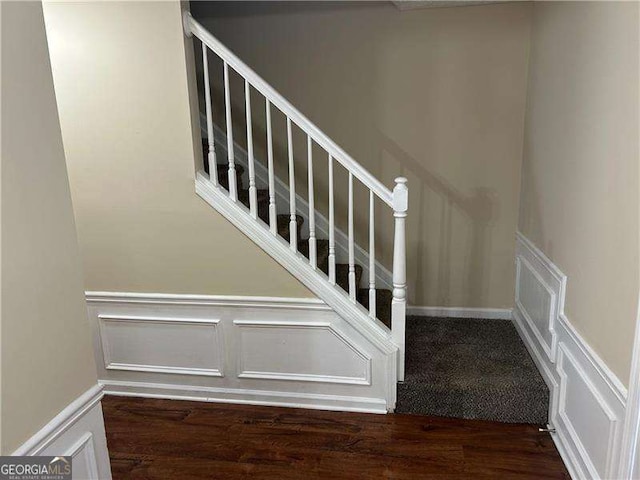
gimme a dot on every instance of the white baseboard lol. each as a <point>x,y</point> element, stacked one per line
<point>588,401</point>
<point>257,350</point>
<point>77,431</point>
<point>461,312</point>
<point>314,401</point>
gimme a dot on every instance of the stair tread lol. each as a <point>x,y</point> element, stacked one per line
<point>262,194</point>
<point>383,296</point>
<point>322,252</point>
<point>220,166</point>
<point>342,275</point>
<point>283,221</point>
<point>224,167</point>
<point>223,176</point>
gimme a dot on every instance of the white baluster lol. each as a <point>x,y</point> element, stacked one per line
<point>352,267</point>
<point>293,224</point>
<point>253,194</point>
<point>233,187</point>
<point>332,238</point>
<point>372,256</point>
<point>399,302</point>
<point>273,219</point>
<point>313,256</point>
<point>211,155</point>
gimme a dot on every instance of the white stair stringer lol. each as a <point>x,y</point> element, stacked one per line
<point>315,280</point>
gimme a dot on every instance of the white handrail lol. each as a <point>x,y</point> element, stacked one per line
<point>289,110</point>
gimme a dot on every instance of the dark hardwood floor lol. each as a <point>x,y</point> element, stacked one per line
<point>167,439</point>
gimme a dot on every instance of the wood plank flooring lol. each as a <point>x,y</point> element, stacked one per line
<point>167,439</point>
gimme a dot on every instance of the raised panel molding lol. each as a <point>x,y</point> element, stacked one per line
<point>540,290</point>
<point>587,400</point>
<point>77,431</point>
<point>187,346</point>
<point>537,306</point>
<point>594,438</point>
<point>83,454</point>
<point>358,363</point>
<point>257,350</point>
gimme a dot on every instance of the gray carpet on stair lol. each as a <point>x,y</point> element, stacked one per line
<point>471,368</point>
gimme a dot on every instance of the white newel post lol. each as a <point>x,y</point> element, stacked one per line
<point>399,302</point>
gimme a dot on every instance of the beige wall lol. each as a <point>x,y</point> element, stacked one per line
<point>121,83</point>
<point>437,95</point>
<point>580,192</point>
<point>46,349</point>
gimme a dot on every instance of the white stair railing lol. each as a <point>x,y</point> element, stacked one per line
<point>397,199</point>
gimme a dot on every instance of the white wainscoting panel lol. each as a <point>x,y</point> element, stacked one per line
<point>161,344</point>
<point>83,453</point>
<point>592,438</point>
<point>311,352</point>
<point>587,400</point>
<point>540,291</point>
<point>265,351</point>
<point>77,431</point>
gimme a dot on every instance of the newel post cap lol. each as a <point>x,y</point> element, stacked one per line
<point>400,195</point>
<point>401,180</point>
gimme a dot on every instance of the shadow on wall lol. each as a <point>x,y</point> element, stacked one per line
<point>436,94</point>
<point>530,222</point>
<point>431,231</point>
<point>449,234</point>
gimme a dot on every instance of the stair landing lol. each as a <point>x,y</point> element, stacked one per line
<point>473,369</point>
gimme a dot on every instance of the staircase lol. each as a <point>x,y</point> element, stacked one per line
<point>383,295</point>
<point>377,313</point>
<point>455,368</point>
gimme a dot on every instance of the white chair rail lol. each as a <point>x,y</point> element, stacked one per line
<point>397,199</point>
